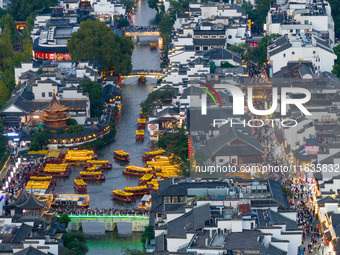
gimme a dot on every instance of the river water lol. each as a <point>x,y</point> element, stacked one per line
<point>132,95</point>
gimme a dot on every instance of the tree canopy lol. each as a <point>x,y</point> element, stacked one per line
<point>95,92</point>
<point>22,9</point>
<point>336,67</point>
<point>335,5</point>
<point>156,99</point>
<point>75,242</point>
<point>94,40</point>
<point>258,15</point>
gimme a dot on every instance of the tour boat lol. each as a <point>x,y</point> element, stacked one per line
<point>91,176</point>
<point>71,200</point>
<point>145,202</point>
<point>141,123</point>
<point>141,79</point>
<point>80,185</point>
<point>151,154</point>
<point>137,191</point>
<point>123,196</point>
<point>121,155</point>
<point>94,168</point>
<point>57,170</point>
<point>144,179</point>
<point>104,163</point>
<point>139,135</point>
<point>137,170</point>
<point>153,46</point>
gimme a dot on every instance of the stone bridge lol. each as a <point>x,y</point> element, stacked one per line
<point>110,221</point>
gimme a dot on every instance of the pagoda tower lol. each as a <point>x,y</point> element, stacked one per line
<point>55,116</point>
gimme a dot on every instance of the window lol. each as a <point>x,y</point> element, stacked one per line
<point>167,200</point>
<point>174,199</point>
<point>284,55</point>
<point>230,36</point>
<point>205,47</point>
<point>205,36</point>
<point>50,94</point>
<point>314,51</point>
<point>293,52</point>
<point>291,30</point>
<point>221,36</point>
<point>233,161</point>
<point>306,22</point>
<point>213,36</point>
<point>198,48</point>
<point>221,160</point>
<point>43,94</point>
<point>298,31</point>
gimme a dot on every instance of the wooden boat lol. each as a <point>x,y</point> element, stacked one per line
<point>144,179</point>
<point>123,196</point>
<point>139,135</point>
<point>137,170</point>
<point>91,176</point>
<point>149,155</point>
<point>153,46</point>
<point>137,191</point>
<point>121,155</point>
<point>71,201</point>
<point>141,79</point>
<point>145,202</point>
<point>80,185</point>
<point>141,123</point>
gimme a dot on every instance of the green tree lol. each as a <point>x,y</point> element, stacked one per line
<point>75,242</point>
<point>335,5</point>
<point>153,4</point>
<point>176,143</point>
<point>94,40</point>
<point>157,98</point>
<point>8,26</point>
<point>336,67</point>
<point>258,16</point>
<point>95,92</point>
<point>40,140</point>
<point>165,28</point>
<point>75,129</point>
<point>148,233</point>
<point>64,219</point>
<point>259,54</point>
<point>22,9</point>
<point>129,5</point>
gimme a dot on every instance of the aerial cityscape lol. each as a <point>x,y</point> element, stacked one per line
<point>168,127</point>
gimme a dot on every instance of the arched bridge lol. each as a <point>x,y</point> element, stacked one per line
<point>136,31</point>
<point>110,221</point>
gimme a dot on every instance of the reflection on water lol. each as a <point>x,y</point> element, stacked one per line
<point>144,15</point>
<point>113,243</point>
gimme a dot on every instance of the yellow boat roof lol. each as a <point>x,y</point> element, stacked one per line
<point>135,188</point>
<point>44,152</point>
<point>138,168</point>
<point>140,132</point>
<point>121,152</point>
<point>80,182</point>
<point>122,193</point>
<point>90,173</point>
<point>154,153</point>
<point>38,184</point>
<point>146,177</point>
<point>53,153</point>
<point>41,178</point>
<point>98,161</point>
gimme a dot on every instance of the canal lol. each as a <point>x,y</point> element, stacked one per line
<point>132,95</point>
